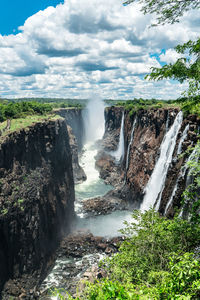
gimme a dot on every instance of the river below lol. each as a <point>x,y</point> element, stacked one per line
<point>71,268</point>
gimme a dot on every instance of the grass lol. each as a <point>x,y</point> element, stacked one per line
<point>17,124</point>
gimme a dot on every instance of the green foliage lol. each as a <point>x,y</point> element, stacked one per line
<point>183,278</point>
<point>17,110</point>
<point>107,289</point>
<point>60,294</point>
<point>151,239</point>
<point>156,261</point>
<point>186,68</point>
<point>4,211</point>
<point>136,104</point>
<point>167,11</point>
<point>190,105</point>
<point>54,102</point>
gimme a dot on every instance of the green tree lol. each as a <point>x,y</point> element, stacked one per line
<point>168,11</point>
<point>186,68</point>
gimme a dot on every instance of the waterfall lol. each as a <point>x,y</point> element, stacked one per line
<point>130,143</point>
<point>119,153</point>
<point>183,169</point>
<point>184,135</point>
<point>155,186</point>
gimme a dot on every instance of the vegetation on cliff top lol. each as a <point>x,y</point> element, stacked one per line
<point>187,105</point>
<point>22,109</point>
<point>24,122</point>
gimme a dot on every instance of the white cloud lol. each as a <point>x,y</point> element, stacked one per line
<point>81,46</point>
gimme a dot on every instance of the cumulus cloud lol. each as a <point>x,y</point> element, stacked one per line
<point>80,46</point>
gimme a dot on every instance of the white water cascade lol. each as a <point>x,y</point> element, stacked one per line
<point>182,171</point>
<point>94,126</point>
<point>119,153</point>
<point>130,143</point>
<point>155,186</point>
<point>183,137</point>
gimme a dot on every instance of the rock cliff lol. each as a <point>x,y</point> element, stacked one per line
<point>75,124</point>
<point>36,197</point>
<point>131,175</point>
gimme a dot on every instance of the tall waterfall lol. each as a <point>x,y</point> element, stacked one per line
<point>131,140</point>
<point>182,171</point>
<point>156,182</point>
<point>119,153</point>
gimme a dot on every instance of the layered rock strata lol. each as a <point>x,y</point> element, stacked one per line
<point>36,198</point>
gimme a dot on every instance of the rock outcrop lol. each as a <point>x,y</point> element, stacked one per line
<point>73,117</point>
<point>36,198</point>
<point>74,121</point>
<point>78,172</point>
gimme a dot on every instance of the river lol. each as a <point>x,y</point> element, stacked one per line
<point>103,225</point>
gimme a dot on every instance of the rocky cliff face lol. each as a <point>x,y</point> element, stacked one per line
<point>150,128</point>
<point>134,172</point>
<point>36,197</point>
<point>75,124</point>
<point>176,180</point>
<point>73,117</point>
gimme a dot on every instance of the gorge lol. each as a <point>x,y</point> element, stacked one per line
<point>136,155</point>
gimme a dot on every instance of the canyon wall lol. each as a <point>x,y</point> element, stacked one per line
<point>74,118</point>
<point>36,197</point>
<point>141,155</point>
<point>75,124</point>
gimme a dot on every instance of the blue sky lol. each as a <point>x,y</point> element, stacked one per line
<point>79,48</point>
<point>13,13</point>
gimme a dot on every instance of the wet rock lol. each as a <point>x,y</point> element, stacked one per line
<point>78,172</point>
<point>103,205</point>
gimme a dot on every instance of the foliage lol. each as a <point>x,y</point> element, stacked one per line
<point>167,11</point>
<point>151,239</point>
<point>156,261</point>
<point>183,277</point>
<point>189,105</point>
<point>186,68</point>
<point>16,110</point>
<point>55,102</point>
<point>137,104</point>
<point>107,289</point>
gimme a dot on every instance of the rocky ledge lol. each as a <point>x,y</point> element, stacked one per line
<point>78,258</point>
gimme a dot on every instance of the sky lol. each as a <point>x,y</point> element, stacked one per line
<point>83,48</point>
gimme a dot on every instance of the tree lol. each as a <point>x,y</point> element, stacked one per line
<point>168,11</point>
<point>186,68</point>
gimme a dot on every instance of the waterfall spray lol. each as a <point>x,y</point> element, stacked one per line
<point>156,183</point>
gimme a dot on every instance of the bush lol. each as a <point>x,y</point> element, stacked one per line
<point>151,239</point>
